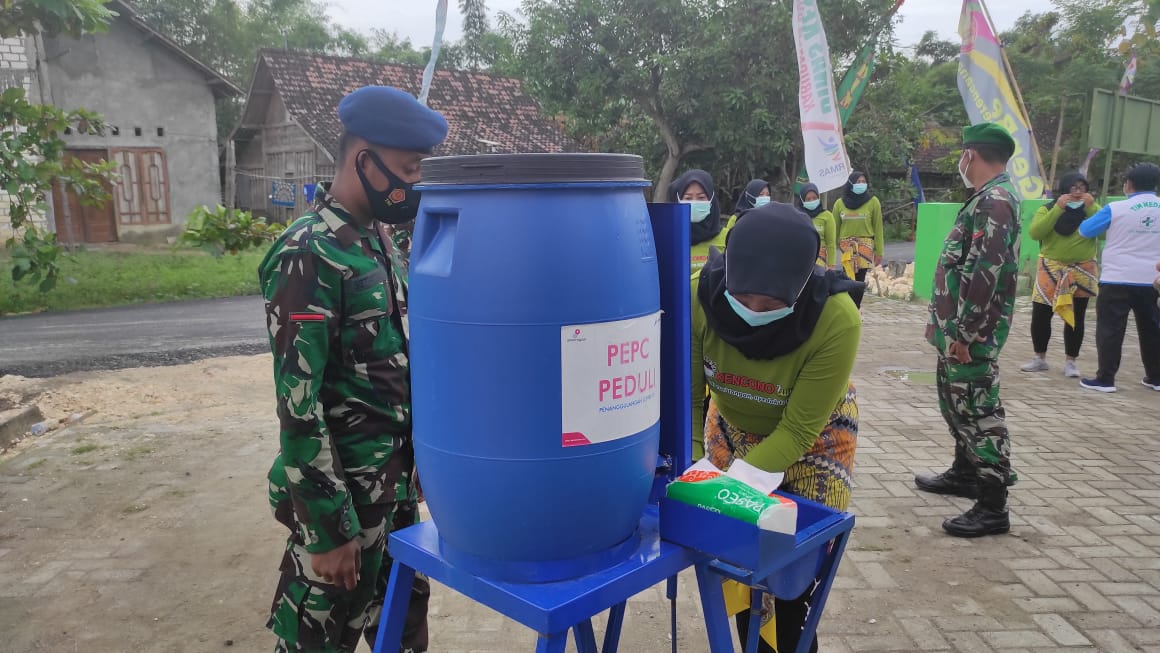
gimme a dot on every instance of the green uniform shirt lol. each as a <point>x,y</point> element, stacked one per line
<point>864,221</point>
<point>699,253</point>
<point>975,278</point>
<point>335,299</point>
<point>1065,249</point>
<point>827,231</point>
<point>790,397</point>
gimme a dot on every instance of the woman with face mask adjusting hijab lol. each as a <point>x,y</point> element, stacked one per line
<point>756,194</point>
<point>696,189</point>
<point>1068,273</point>
<point>860,237</point>
<point>810,201</point>
<point>774,338</point>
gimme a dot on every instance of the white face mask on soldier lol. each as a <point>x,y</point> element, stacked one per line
<point>963,168</point>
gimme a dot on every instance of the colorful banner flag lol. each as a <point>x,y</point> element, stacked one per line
<point>988,96</point>
<point>827,164</point>
<point>1129,76</point>
<point>436,45</point>
<point>919,195</point>
<point>854,84</point>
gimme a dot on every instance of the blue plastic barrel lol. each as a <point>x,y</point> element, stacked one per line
<point>534,322</point>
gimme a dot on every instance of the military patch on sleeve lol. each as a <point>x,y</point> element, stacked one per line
<point>307,317</point>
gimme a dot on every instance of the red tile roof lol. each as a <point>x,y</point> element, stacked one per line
<point>486,113</point>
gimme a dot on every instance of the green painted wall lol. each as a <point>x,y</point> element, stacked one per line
<point>934,223</point>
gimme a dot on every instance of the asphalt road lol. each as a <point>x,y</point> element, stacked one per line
<point>131,336</point>
<point>156,334</point>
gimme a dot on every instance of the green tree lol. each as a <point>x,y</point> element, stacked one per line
<point>32,157</point>
<point>684,82</point>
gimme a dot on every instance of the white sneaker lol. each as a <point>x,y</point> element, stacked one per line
<point>1070,370</point>
<point>1036,364</point>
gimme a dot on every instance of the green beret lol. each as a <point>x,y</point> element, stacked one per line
<point>988,133</point>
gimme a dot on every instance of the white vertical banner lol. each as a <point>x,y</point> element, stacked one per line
<point>827,164</point>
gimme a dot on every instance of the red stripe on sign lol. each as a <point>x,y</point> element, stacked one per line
<point>307,317</point>
<point>574,440</point>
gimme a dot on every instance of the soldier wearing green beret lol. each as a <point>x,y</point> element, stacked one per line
<point>970,309</point>
<point>336,301</point>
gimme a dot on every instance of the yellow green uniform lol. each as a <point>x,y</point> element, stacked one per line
<point>699,253</point>
<point>1073,248</point>
<point>862,222</point>
<point>828,232</point>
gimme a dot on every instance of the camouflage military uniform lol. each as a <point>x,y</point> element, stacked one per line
<point>972,302</point>
<point>335,301</point>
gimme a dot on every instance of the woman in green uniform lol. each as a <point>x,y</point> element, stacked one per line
<point>756,193</point>
<point>696,189</point>
<point>810,201</point>
<point>860,237</point>
<point>775,338</point>
<point>1068,274</point>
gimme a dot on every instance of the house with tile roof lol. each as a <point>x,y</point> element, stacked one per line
<point>159,107</point>
<point>288,135</point>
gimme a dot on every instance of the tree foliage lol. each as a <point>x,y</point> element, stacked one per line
<point>684,82</point>
<point>32,157</point>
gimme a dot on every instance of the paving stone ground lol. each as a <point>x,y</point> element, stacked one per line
<point>144,528</point>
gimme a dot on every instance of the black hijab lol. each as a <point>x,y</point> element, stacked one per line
<point>1068,223</point>
<point>770,251</point>
<point>710,226</point>
<point>801,197</point>
<point>853,200</point>
<point>749,197</point>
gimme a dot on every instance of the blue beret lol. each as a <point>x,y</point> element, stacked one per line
<point>390,117</point>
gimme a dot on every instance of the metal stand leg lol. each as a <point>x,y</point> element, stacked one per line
<point>713,605</point>
<point>753,636</point>
<point>554,643</point>
<point>671,593</point>
<point>394,613</point>
<point>585,637</point>
<point>615,623</point>
<point>826,576</point>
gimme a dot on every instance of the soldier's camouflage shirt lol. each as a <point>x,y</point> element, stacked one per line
<point>335,301</point>
<point>976,275</point>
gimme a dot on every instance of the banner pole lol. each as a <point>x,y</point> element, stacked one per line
<point>1018,94</point>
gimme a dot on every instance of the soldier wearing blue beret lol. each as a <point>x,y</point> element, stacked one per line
<point>335,286</point>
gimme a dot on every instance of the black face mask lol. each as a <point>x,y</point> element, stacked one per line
<point>397,204</point>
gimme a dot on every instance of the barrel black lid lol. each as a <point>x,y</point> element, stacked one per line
<point>532,169</point>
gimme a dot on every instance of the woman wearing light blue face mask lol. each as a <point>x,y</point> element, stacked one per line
<point>696,189</point>
<point>774,338</point>
<point>756,194</point>
<point>810,201</point>
<point>860,237</point>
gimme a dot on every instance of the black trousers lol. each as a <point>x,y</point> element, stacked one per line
<point>857,295</point>
<point>1041,327</point>
<point>1112,308</point>
<point>791,615</point>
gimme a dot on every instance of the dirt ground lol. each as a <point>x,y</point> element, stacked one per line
<point>145,527</point>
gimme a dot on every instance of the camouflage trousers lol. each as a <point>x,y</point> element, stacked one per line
<point>968,397</point>
<point>312,616</point>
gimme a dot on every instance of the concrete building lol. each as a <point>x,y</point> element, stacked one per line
<point>158,103</point>
<point>288,135</point>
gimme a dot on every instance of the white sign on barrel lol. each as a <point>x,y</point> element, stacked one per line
<point>610,379</point>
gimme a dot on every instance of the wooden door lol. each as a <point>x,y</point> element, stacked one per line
<point>142,192</point>
<point>77,223</point>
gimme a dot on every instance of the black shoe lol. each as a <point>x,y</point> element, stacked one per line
<point>952,481</point>
<point>987,517</point>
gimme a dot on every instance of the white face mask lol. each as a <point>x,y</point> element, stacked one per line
<point>761,200</point>
<point>963,168</point>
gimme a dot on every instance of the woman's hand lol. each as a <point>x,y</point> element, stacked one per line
<point>1088,200</point>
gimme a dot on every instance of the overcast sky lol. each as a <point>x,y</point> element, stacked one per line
<point>415,19</point>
